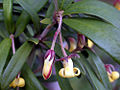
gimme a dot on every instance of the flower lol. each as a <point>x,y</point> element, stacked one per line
<point>112,74</point>
<point>17,82</point>
<point>68,71</point>
<point>48,61</point>
<point>117,4</point>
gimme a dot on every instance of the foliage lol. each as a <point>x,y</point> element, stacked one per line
<point>33,23</point>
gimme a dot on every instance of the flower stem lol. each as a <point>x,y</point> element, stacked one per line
<point>13,44</point>
<point>13,49</point>
<point>58,29</point>
<point>61,44</point>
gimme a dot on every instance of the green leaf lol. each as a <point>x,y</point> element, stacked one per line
<point>79,64</point>
<point>46,21</point>
<point>94,8</point>
<point>16,63</point>
<point>4,50</point>
<point>37,5</point>
<point>103,34</point>
<point>30,30</point>
<point>50,10</point>
<point>7,6</point>
<point>32,13</point>
<point>64,4</point>
<point>31,82</point>
<point>34,40</point>
<point>20,27</point>
<point>99,65</point>
<point>3,31</point>
<point>97,84</point>
<point>63,82</point>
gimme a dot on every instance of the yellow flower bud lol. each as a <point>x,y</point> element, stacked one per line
<point>47,68</point>
<point>115,75</point>
<point>90,43</point>
<point>68,71</point>
<point>14,83</point>
<point>73,44</point>
<point>21,82</point>
<point>17,82</point>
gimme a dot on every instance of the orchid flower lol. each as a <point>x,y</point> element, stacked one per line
<point>69,71</point>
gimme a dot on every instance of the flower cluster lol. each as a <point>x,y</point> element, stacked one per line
<point>112,74</point>
<point>80,44</point>
<point>68,71</point>
<point>17,82</point>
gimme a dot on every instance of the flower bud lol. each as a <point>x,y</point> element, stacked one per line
<point>17,82</point>
<point>14,83</point>
<point>73,44</point>
<point>90,43</point>
<point>115,75</point>
<point>68,71</point>
<point>48,61</point>
<point>81,40</point>
<point>21,82</point>
<point>117,4</point>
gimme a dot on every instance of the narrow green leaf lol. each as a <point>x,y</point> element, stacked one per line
<point>3,31</point>
<point>7,6</point>
<point>50,11</point>
<point>31,82</point>
<point>97,84</point>
<point>16,63</point>
<point>99,65</point>
<point>103,34</point>
<point>97,8</point>
<point>34,40</point>
<point>63,82</point>
<point>24,18</point>
<point>46,21</point>
<point>32,13</point>
<point>4,50</point>
<point>37,5</point>
<point>30,30</point>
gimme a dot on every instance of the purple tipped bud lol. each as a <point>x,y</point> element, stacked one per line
<point>48,61</point>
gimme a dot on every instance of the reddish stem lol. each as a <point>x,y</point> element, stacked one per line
<point>13,44</point>
<point>58,29</point>
<point>13,49</point>
<point>61,44</point>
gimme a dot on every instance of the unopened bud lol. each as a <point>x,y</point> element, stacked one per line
<point>48,61</point>
<point>73,44</point>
